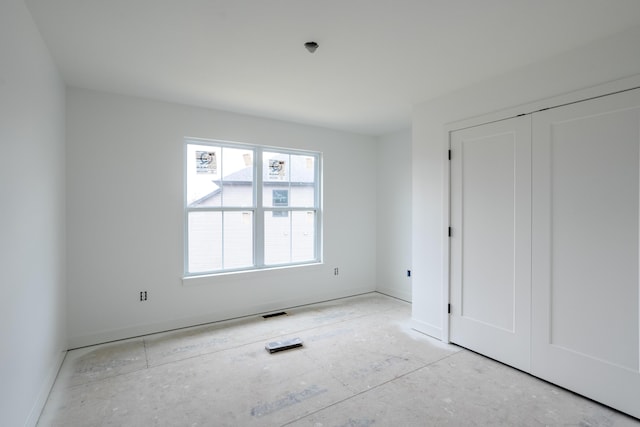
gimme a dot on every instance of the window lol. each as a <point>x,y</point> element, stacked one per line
<point>248,207</point>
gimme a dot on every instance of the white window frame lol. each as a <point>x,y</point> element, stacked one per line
<point>257,209</point>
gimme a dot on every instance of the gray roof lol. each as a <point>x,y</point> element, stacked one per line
<point>298,170</point>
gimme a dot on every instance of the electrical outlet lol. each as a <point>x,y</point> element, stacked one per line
<point>336,271</point>
<point>143,295</point>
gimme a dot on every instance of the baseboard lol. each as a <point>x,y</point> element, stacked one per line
<point>45,389</point>
<point>427,329</point>
<point>396,293</point>
<point>218,316</point>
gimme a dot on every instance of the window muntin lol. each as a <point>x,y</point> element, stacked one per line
<point>249,208</point>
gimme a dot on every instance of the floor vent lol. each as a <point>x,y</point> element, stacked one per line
<point>267,316</point>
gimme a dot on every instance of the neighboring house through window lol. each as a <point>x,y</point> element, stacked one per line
<point>280,198</point>
<point>250,207</point>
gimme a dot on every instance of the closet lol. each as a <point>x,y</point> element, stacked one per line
<point>544,258</point>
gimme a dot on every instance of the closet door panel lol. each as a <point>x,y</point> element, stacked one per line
<point>585,293</point>
<point>490,242</point>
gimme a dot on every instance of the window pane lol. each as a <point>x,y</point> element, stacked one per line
<point>203,175</point>
<point>238,239</point>
<point>303,196</point>
<point>237,180</point>
<point>275,177</point>
<point>277,239</point>
<point>302,236</point>
<point>205,241</point>
<point>303,179</point>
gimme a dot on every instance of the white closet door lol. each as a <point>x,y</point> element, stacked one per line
<point>585,294</point>
<point>491,240</point>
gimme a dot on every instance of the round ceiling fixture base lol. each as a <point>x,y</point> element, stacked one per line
<point>311,46</point>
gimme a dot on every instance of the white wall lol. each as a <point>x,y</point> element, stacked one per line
<point>601,62</point>
<point>125,218</point>
<point>393,170</point>
<point>32,227</point>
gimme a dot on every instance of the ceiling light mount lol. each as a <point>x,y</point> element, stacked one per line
<point>311,46</point>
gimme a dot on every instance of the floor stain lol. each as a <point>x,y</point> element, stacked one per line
<point>290,400</point>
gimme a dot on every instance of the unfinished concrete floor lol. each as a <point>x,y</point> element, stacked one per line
<point>361,365</point>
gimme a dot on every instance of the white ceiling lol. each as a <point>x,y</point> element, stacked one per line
<point>377,58</point>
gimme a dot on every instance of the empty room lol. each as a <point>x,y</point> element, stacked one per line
<point>320,213</point>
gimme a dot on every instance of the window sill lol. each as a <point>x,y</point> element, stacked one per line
<point>242,275</point>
